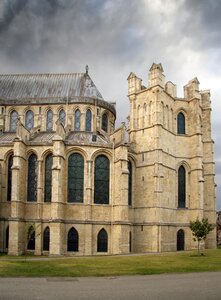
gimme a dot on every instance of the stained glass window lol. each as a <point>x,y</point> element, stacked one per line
<point>49,120</point>
<point>73,240</point>
<point>75,178</point>
<point>29,120</point>
<point>180,240</point>
<point>62,117</point>
<point>46,239</point>
<point>129,183</point>
<point>181,123</point>
<point>101,180</point>
<point>31,238</point>
<point>102,241</point>
<point>48,178</point>
<point>32,178</point>
<point>181,187</point>
<point>13,120</point>
<point>10,163</point>
<point>104,122</point>
<point>88,120</point>
<point>77,120</point>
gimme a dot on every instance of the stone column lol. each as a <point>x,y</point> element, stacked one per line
<point>58,197</point>
<point>19,186</point>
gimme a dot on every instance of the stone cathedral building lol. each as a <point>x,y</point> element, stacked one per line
<point>70,183</point>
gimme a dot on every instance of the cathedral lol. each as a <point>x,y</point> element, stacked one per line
<point>73,184</point>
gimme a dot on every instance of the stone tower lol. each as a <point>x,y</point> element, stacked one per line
<point>171,146</point>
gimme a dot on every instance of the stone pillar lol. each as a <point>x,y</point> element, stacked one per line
<point>19,187</point>
<point>58,196</point>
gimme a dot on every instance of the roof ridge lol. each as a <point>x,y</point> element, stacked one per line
<point>41,74</point>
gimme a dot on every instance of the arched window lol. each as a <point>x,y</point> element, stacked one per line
<point>73,240</point>
<point>9,191</point>
<point>101,180</point>
<point>88,120</point>
<point>48,178</point>
<point>75,178</point>
<point>7,237</point>
<point>102,241</point>
<point>181,187</point>
<point>104,122</point>
<point>77,120</point>
<point>62,117</point>
<point>129,183</point>
<point>32,178</point>
<point>181,123</point>
<point>31,238</point>
<point>13,120</point>
<point>180,240</point>
<point>49,120</point>
<point>29,120</point>
<point>46,239</point>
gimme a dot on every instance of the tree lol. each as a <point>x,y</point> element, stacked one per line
<point>200,230</point>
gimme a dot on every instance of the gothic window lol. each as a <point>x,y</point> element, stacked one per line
<point>48,178</point>
<point>75,178</point>
<point>180,240</point>
<point>32,178</point>
<point>13,120</point>
<point>9,191</point>
<point>31,238</point>
<point>49,120</point>
<point>181,123</point>
<point>29,120</point>
<point>7,237</point>
<point>62,117</point>
<point>46,239</point>
<point>105,122</point>
<point>88,120</point>
<point>102,241</point>
<point>181,187</point>
<point>77,120</point>
<point>101,180</point>
<point>129,183</point>
<point>73,240</point>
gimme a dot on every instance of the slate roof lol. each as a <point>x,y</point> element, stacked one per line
<point>32,86</point>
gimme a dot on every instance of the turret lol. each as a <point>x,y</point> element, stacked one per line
<point>134,84</point>
<point>156,76</point>
<point>191,90</point>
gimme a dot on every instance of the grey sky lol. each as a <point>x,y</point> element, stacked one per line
<point>115,37</point>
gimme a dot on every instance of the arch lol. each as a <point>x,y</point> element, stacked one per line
<point>104,124</point>
<point>101,180</point>
<point>73,240</point>
<point>181,187</point>
<point>181,126</point>
<point>49,120</point>
<point>46,239</point>
<point>180,240</point>
<point>9,180</point>
<point>31,238</point>
<point>75,178</point>
<point>102,241</point>
<point>29,120</point>
<point>77,120</point>
<point>48,177</point>
<point>32,178</point>
<point>7,237</point>
<point>88,120</point>
<point>62,116</point>
<point>13,120</point>
<point>130,170</point>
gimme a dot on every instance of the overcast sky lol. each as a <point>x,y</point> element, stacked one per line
<point>115,37</point>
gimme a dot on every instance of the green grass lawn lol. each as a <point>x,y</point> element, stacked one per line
<point>113,265</point>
